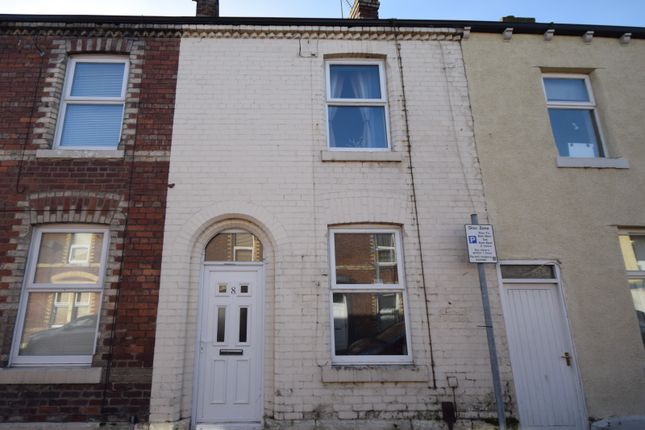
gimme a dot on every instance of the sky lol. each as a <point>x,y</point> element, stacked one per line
<point>623,12</point>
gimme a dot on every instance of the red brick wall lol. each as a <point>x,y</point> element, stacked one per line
<point>128,194</point>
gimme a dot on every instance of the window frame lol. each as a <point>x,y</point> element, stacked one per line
<point>631,274</point>
<point>591,105</point>
<point>369,288</point>
<point>29,286</point>
<point>67,98</point>
<point>383,101</point>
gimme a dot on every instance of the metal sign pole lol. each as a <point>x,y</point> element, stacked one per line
<point>492,350</point>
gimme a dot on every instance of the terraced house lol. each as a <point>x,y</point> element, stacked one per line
<point>250,223</point>
<point>87,109</point>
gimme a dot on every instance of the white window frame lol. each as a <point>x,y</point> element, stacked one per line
<point>369,288</point>
<point>67,98</point>
<point>590,105</point>
<point>358,102</point>
<point>29,286</point>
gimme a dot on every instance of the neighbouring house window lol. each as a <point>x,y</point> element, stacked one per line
<point>61,299</point>
<point>92,105</point>
<point>357,106</point>
<point>368,297</point>
<point>633,247</point>
<point>572,111</point>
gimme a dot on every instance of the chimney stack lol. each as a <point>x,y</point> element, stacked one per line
<point>364,9</point>
<point>207,8</point>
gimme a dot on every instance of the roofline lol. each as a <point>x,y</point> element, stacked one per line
<point>475,26</point>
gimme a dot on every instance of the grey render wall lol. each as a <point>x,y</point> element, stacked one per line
<point>572,215</point>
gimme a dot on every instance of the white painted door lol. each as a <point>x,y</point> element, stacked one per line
<point>544,370</point>
<point>230,350</point>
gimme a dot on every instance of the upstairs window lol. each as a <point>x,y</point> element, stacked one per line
<point>572,111</point>
<point>633,248</point>
<point>91,114</point>
<point>368,300</point>
<point>357,106</point>
<point>61,298</point>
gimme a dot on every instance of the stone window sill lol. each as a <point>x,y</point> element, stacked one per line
<point>598,163</point>
<point>376,156</point>
<point>374,373</point>
<point>51,375</point>
<point>79,153</point>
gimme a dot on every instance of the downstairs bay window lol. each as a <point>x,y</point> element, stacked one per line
<point>368,300</point>
<point>61,298</point>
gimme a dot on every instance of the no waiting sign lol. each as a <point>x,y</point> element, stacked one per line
<point>481,243</point>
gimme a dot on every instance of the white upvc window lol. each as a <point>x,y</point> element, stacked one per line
<point>357,114</point>
<point>61,298</point>
<point>632,245</point>
<point>93,103</point>
<point>572,112</point>
<point>369,311</point>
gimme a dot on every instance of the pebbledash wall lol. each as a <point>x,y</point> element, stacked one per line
<point>123,190</point>
<point>250,152</point>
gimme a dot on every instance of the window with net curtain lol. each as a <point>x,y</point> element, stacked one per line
<point>91,113</point>
<point>356,106</point>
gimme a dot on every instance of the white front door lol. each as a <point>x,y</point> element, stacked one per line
<point>544,370</point>
<point>230,349</point>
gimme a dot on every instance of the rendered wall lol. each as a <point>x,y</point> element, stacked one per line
<point>571,215</point>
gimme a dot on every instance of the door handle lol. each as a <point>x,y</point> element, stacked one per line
<point>231,352</point>
<point>567,358</point>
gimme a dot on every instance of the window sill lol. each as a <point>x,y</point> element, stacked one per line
<point>51,375</point>
<point>376,156</point>
<point>79,153</point>
<point>598,163</point>
<point>375,373</point>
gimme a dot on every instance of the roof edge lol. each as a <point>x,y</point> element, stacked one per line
<point>475,26</point>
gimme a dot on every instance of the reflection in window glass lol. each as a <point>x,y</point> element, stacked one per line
<point>61,323</point>
<point>369,324</point>
<point>69,258</point>
<point>637,288</point>
<point>234,247</point>
<point>365,258</point>
<point>633,249</point>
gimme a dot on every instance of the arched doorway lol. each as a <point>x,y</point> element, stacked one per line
<point>229,376</point>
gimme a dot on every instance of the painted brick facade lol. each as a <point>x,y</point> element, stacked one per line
<point>250,152</point>
<point>124,190</point>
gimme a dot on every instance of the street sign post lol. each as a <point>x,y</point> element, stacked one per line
<point>481,250</point>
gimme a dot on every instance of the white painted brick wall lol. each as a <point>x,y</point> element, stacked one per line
<point>249,130</point>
